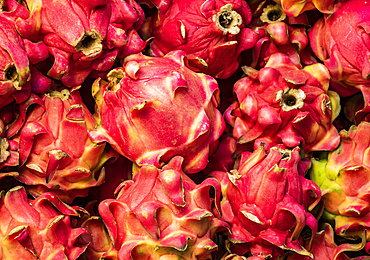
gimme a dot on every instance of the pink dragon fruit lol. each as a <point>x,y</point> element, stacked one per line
<point>154,108</point>
<point>297,7</point>
<point>341,40</point>
<point>98,33</point>
<point>283,104</point>
<point>163,214</point>
<point>324,247</point>
<point>14,64</point>
<point>38,229</point>
<point>36,52</point>
<point>277,33</point>
<point>267,201</point>
<point>213,33</point>
<point>12,118</point>
<point>343,175</point>
<point>54,149</point>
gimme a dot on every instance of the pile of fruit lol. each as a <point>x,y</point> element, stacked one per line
<point>185,130</point>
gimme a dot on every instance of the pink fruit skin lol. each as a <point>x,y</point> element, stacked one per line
<point>324,247</point>
<point>297,7</point>
<point>163,214</point>
<point>288,36</point>
<point>38,229</point>
<point>150,121</point>
<point>267,203</point>
<point>341,40</point>
<point>98,34</point>
<point>14,64</point>
<point>344,175</point>
<point>189,26</point>
<point>261,115</point>
<point>54,149</point>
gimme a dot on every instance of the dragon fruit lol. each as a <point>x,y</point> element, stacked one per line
<point>54,149</point>
<point>150,121</point>
<point>14,64</point>
<point>163,214</point>
<point>297,7</point>
<point>283,104</point>
<point>324,247</point>
<point>267,201</point>
<point>98,33</point>
<point>277,33</point>
<point>341,40</point>
<point>343,176</point>
<point>213,33</point>
<point>38,229</point>
<point>12,118</point>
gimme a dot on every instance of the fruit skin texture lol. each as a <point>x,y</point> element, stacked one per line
<point>154,108</point>
<point>341,40</point>
<point>279,34</point>
<point>283,104</point>
<point>163,214</point>
<point>325,248</point>
<point>267,203</point>
<point>40,230</point>
<point>54,149</point>
<point>191,26</point>
<point>14,64</point>
<point>343,175</point>
<point>98,33</point>
<point>297,7</point>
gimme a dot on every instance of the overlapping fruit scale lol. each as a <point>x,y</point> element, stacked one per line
<point>161,214</point>
<point>38,229</point>
<point>343,176</point>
